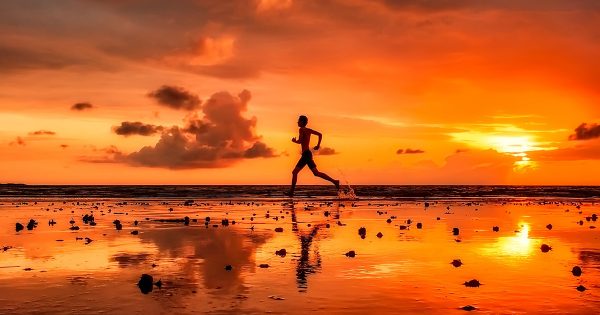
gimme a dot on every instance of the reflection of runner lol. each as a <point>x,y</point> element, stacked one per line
<point>307,158</point>
<point>305,267</point>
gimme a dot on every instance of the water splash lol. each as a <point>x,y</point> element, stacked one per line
<point>346,193</point>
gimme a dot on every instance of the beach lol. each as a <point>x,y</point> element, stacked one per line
<point>289,256</point>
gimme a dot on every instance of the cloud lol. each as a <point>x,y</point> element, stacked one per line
<point>590,150</point>
<point>409,151</point>
<point>42,133</point>
<point>81,106</point>
<point>64,146</point>
<point>218,136</point>
<point>18,141</point>
<point>175,97</point>
<point>326,151</point>
<point>128,128</point>
<point>259,149</point>
<point>586,132</point>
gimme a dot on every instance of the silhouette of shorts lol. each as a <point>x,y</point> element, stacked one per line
<point>306,159</point>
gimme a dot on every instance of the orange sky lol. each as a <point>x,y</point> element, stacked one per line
<point>208,92</point>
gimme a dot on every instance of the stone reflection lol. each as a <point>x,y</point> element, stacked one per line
<point>201,255</point>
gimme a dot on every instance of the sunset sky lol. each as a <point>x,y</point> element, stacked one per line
<point>208,92</point>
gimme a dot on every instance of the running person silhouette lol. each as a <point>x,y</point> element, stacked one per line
<point>307,158</point>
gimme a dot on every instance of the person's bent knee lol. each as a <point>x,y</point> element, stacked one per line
<point>315,171</point>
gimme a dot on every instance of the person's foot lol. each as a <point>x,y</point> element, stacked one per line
<point>289,194</point>
<point>337,184</point>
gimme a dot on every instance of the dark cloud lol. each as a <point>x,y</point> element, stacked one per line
<point>409,151</point>
<point>42,133</point>
<point>81,106</point>
<point>218,138</point>
<point>259,149</point>
<point>18,141</point>
<point>326,151</point>
<point>128,128</point>
<point>175,97</point>
<point>586,132</point>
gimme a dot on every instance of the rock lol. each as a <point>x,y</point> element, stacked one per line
<point>19,227</point>
<point>545,248</point>
<point>403,227</point>
<point>158,284</point>
<point>549,226</point>
<point>135,232</point>
<point>186,220</point>
<point>31,225</point>
<point>455,231</point>
<point>225,222</point>
<point>456,263</point>
<point>145,283</point>
<point>379,235</point>
<point>496,229</point>
<point>581,288</point>
<point>419,225</point>
<point>389,221</point>
<point>576,271</point>
<point>472,283</point>
<point>282,252</point>
<point>279,229</point>
<point>74,228</point>
<point>228,268</point>
<point>468,308</point>
<point>263,266</point>
<point>351,254</point>
<point>362,231</point>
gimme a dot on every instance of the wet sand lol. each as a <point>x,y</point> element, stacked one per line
<point>53,269</point>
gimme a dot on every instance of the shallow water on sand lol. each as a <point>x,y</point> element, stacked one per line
<point>50,270</point>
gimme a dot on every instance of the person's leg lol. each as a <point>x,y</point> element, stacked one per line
<point>294,180</point>
<point>322,175</point>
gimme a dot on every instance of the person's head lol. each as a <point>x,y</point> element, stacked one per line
<point>302,121</point>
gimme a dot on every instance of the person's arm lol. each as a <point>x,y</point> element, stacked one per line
<point>318,134</point>
<point>294,140</point>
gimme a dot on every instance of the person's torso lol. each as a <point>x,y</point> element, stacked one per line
<point>304,139</point>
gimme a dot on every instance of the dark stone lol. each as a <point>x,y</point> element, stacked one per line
<point>279,229</point>
<point>351,254</point>
<point>545,248</point>
<point>496,229</point>
<point>419,225</point>
<point>135,232</point>
<point>145,283</point>
<point>576,271</point>
<point>455,231</point>
<point>549,226</point>
<point>468,308</point>
<point>581,288</point>
<point>31,225</point>
<point>379,235</point>
<point>456,263</point>
<point>362,231</point>
<point>263,266</point>
<point>228,267</point>
<point>282,252</point>
<point>472,283</point>
<point>19,227</point>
